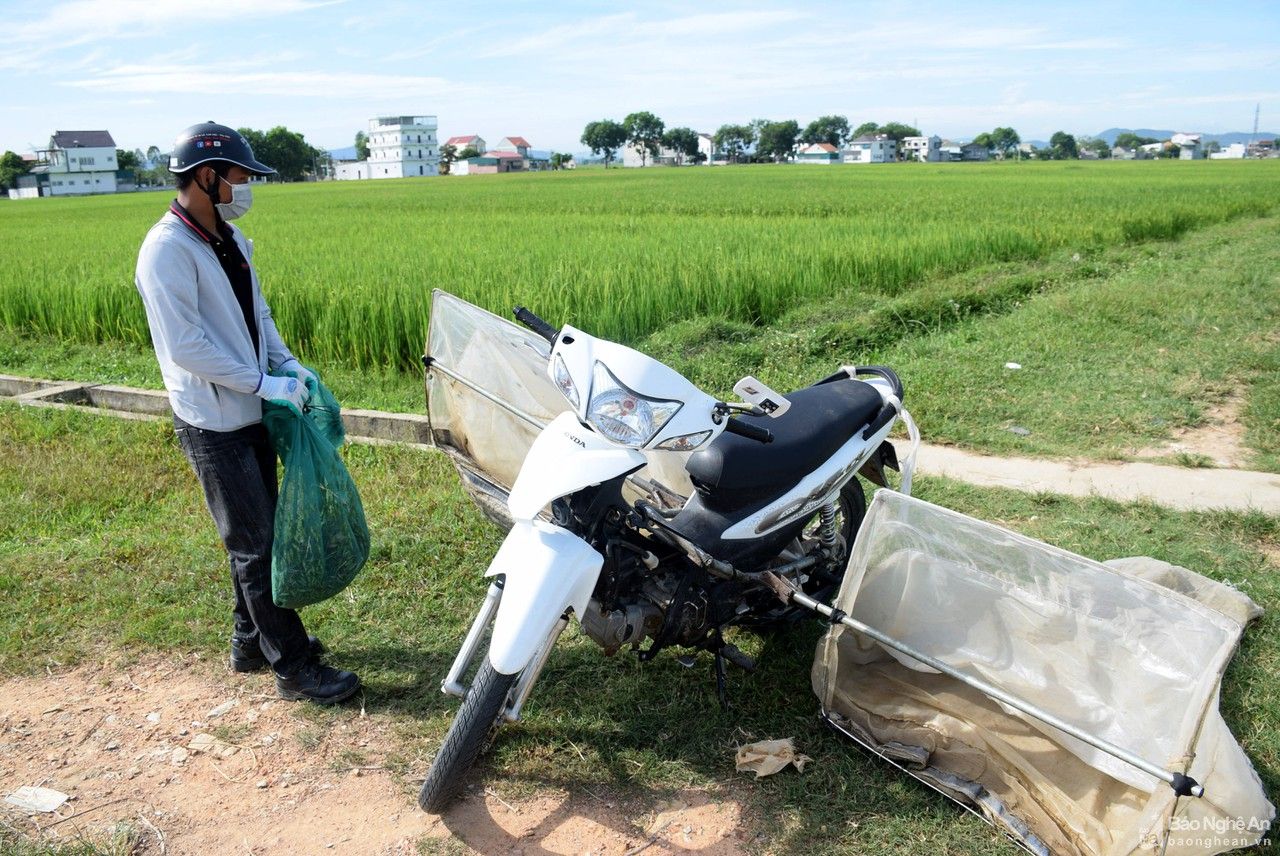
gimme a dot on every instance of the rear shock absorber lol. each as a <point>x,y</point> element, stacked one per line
<point>827,526</point>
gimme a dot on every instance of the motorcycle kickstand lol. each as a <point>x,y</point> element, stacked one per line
<point>721,690</point>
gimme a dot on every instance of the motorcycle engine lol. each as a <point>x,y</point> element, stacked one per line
<point>628,625</point>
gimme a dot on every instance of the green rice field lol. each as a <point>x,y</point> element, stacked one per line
<point>349,267</point>
<point>1137,299</point>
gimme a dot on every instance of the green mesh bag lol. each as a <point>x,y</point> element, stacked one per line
<point>321,537</point>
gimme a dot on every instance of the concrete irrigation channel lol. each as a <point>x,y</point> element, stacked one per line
<point>1182,488</point>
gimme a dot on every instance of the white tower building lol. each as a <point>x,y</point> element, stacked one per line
<point>403,147</point>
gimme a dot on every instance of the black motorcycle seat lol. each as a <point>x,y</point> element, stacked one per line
<point>821,419</point>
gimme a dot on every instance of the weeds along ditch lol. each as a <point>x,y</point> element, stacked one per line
<point>349,266</point>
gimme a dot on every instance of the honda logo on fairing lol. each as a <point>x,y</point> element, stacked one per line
<point>576,439</point>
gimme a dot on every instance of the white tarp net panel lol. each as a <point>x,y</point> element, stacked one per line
<point>1131,651</point>
<point>481,351</point>
<point>488,396</point>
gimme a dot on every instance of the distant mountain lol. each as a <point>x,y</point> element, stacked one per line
<point>1110,134</point>
<point>1222,139</point>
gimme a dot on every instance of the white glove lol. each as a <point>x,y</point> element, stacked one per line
<point>293,368</point>
<point>284,391</point>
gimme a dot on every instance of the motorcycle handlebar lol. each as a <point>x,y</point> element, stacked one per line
<point>746,429</point>
<point>536,324</point>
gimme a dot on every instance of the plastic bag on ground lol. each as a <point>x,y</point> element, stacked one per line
<point>321,537</point>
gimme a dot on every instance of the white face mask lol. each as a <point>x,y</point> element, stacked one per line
<point>241,201</point>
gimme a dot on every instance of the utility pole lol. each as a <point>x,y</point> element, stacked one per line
<point>1257,108</point>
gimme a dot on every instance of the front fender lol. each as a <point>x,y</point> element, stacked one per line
<point>564,458</point>
<point>547,570</point>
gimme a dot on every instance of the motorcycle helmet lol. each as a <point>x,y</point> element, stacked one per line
<point>209,142</point>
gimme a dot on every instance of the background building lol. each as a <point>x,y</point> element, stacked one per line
<point>1190,146</point>
<point>77,163</point>
<point>818,153</point>
<point>534,159</point>
<point>490,162</point>
<point>707,148</point>
<point>872,148</point>
<point>510,154</point>
<point>473,141</point>
<point>927,149</point>
<point>399,147</point>
<point>1235,151</point>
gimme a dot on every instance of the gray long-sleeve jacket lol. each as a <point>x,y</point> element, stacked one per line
<point>205,353</point>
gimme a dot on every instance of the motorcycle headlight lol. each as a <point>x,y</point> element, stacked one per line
<point>565,382</point>
<point>624,415</point>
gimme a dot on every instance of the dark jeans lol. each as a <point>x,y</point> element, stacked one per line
<point>237,470</point>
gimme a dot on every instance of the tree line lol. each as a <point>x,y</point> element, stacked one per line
<point>756,141</point>
<point>764,140</point>
<point>288,152</point>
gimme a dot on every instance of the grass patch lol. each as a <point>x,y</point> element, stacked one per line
<point>1119,347</point>
<point>1262,412</point>
<point>1194,461</point>
<point>1114,364</point>
<point>231,734</point>
<point>96,556</point>
<point>16,840</point>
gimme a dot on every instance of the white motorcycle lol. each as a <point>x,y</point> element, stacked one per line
<point>597,536</point>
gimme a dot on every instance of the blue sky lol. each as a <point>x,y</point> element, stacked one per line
<point>144,69</point>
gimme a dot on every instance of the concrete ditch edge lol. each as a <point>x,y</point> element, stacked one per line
<point>363,426</point>
<point>1180,488</point>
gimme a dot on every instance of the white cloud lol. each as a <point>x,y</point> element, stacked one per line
<point>917,37</point>
<point>67,28</point>
<point>1222,58</point>
<point>81,21</point>
<point>1097,44</point>
<point>152,79</point>
<point>430,46</point>
<point>1255,97</point>
<point>17,59</point>
<point>559,36</point>
<point>719,24</point>
<point>625,30</point>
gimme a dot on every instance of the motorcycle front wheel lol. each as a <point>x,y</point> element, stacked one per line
<point>477,719</point>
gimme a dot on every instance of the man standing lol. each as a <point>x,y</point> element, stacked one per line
<point>215,341</point>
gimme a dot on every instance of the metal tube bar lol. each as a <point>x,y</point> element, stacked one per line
<point>452,684</point>
<point>531,672</point>
<point>909,462</point>
<point>1178,781</point>
<point>449,373</point>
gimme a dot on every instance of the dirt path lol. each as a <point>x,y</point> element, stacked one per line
<point>1219,441</point>
<point>1183,488</point>
<point>199,761</point>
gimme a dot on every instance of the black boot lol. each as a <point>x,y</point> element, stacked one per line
<point>319,683</point>
<point>248,656</point>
